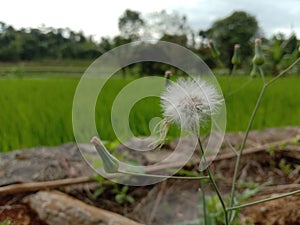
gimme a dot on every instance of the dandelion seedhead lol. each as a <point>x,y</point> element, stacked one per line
<point>188,103</point>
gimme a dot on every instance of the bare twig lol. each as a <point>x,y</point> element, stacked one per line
<point>35,186</point>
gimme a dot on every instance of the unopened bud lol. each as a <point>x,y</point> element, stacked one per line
<point>258,58</point>
<point>110,163</point>
<point>168,73</point>
<point>236,59</point>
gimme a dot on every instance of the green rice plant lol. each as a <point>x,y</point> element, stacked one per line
<point>36,112</point>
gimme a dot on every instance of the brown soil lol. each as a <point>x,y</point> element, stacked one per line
<point>280,212</point>
<point>273,161</point>
<point>18,213</point>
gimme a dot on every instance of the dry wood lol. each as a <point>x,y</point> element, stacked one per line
<point>35,186</point>
<point>55,207</point>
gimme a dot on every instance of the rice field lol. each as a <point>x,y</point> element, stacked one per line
<point>38,112</point>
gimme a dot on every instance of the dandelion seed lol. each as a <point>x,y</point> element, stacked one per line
<point>161,129</point>
<point>188,103</point>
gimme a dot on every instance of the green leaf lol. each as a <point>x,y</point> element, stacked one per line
<point>119,198</point>
<point>124,189</point>
<point>98,178</point>
<point>130,199</point>
<point>98,192</point>
<point>248,193</point>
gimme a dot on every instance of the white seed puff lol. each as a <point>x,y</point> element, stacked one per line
<point>188,103</point>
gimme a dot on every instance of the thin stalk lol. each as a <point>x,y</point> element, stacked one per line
<point>263,200</point>
<point>213,182</point>
<point>202,186</point>
<point>249,127</point>
<point>240,88</point>
<point>262,75</point>
<point>163,176</point>
<point>283,72</point>
<point>239,156</point>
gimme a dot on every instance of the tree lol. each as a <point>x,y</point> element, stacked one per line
<point>178,39</point>
<point>44,43</point>
<point>10,44</point>
<point>105,45</point>
<point>161,24</point>
<point>238,28</point>
<point>281,52</point>
<point>130,24</point>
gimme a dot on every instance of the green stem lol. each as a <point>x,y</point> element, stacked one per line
<point>262,74</point>
<point>236,169</point>
<point>240,88</point>
<point>283,72</point>
<point>213,182</point>
<point>202,186</point>
<point>239,156</point>
<point>263,200</point>
<point>163,176</point>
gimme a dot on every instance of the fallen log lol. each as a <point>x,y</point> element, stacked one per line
<point>55,207</point>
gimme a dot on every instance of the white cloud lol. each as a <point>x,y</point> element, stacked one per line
<point>100,18</point>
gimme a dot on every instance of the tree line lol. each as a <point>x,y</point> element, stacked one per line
<point>63,43</point>
<point>44,43</point>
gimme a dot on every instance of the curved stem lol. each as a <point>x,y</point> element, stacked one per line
<point>284,72</point>
<point>239,156</point>
<point>262,74</point>
<point>263,200</point>
<point>240,88</point>
<point>163,176</point>
<point>213,182</point>
<point>266,84</point>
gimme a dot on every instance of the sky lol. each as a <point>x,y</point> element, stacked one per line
<point>100,18</point>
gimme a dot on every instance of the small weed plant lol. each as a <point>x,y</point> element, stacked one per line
<point>188,103</point>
